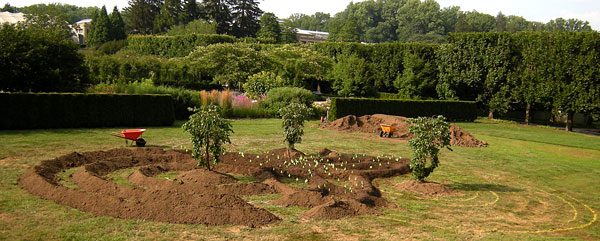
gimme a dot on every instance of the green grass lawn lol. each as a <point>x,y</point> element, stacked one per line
<point>531,183</point>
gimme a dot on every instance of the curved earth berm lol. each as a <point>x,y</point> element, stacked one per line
<point>336,185</point>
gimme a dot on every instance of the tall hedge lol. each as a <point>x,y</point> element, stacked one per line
<point>174,46</point>
<point>478,66</point>
<point>390,62</point>
<point>453,110</point>
<point>37,111</point>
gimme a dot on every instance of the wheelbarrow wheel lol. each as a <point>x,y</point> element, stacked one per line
<point>140,142</point>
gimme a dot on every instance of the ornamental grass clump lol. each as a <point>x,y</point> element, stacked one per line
<point>430,135</point>
<point>209,131</point>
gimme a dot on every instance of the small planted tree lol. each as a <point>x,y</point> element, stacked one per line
<point>430,135</point>
<point>293,116</point>
<point>209,132</point>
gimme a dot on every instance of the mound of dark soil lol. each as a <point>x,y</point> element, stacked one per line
<point>371,124</point>
<point>199,196</point>
<point>428,188</point>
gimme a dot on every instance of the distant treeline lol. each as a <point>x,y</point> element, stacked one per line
<point>378,21</point>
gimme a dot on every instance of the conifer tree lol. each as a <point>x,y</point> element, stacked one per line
<point>218,11</point>
<point>269,27</point>
<point>141,14</point>
<point>118,26</point>
<point>101,31</point>
<point>190,11</point>
<point>169,16</point>
<point>246,16</point>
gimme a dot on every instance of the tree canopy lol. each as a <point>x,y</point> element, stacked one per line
<point>39,56</point>
<point>378,21</point>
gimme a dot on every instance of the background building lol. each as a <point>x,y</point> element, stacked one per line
<point>11,18</point>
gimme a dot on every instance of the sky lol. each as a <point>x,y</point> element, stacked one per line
<point>532,10</point>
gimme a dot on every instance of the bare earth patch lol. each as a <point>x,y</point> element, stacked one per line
<point>428,188</point>
<point>199,196</point>
<point>371,124</point>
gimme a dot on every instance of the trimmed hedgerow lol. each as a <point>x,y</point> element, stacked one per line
<point>60,110</point>
<point>453,110</point>
<point>174,46</point>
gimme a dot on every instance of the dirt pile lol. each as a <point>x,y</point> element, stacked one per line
<point>331,184</point>
<point>428,188</point>
<point>371,124</point>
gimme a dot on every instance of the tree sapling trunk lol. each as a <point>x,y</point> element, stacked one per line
<point>569,121</point>
<point>528,114</point>
<point>491,115</point>
<point>207,154</point>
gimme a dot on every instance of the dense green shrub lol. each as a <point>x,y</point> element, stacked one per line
<point>249,113</point>
<point>122,67</point>
<point>353,76</point>
<point>280,97</point>
<point>259,84</point>
<point>479,67</point>
<point>389,96</point>
<point>453,110</point>
<point>112,47</point>
<point>180,72</point>
<point>389,62</point>
<point>35,111</point>
<point>228,64</point>
<point>299,66</point>
<point>198,26</point>
<point>128,67</point>
<point>174,46</point>
<point>39,59</point>
<point>182,98</point>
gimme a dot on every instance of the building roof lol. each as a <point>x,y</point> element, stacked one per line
<point>12,18</point>
<point>310,32</point>
<point>87,20</point>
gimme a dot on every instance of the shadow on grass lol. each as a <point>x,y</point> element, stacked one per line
<point>483,187</point>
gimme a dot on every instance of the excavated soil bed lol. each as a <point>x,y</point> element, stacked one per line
<point>333,185</point>
<point>428,188</point>
<point>371,124</point>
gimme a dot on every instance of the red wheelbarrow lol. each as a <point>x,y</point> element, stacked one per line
<point>132,135</point>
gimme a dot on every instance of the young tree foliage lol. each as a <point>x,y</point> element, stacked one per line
<point>209,132</point>
<point>429,136</point>
<point>293,116</point>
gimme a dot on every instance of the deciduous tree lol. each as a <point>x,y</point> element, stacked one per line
<point>209,132</point>
<point>429,136</point>
<point>293,116</point>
